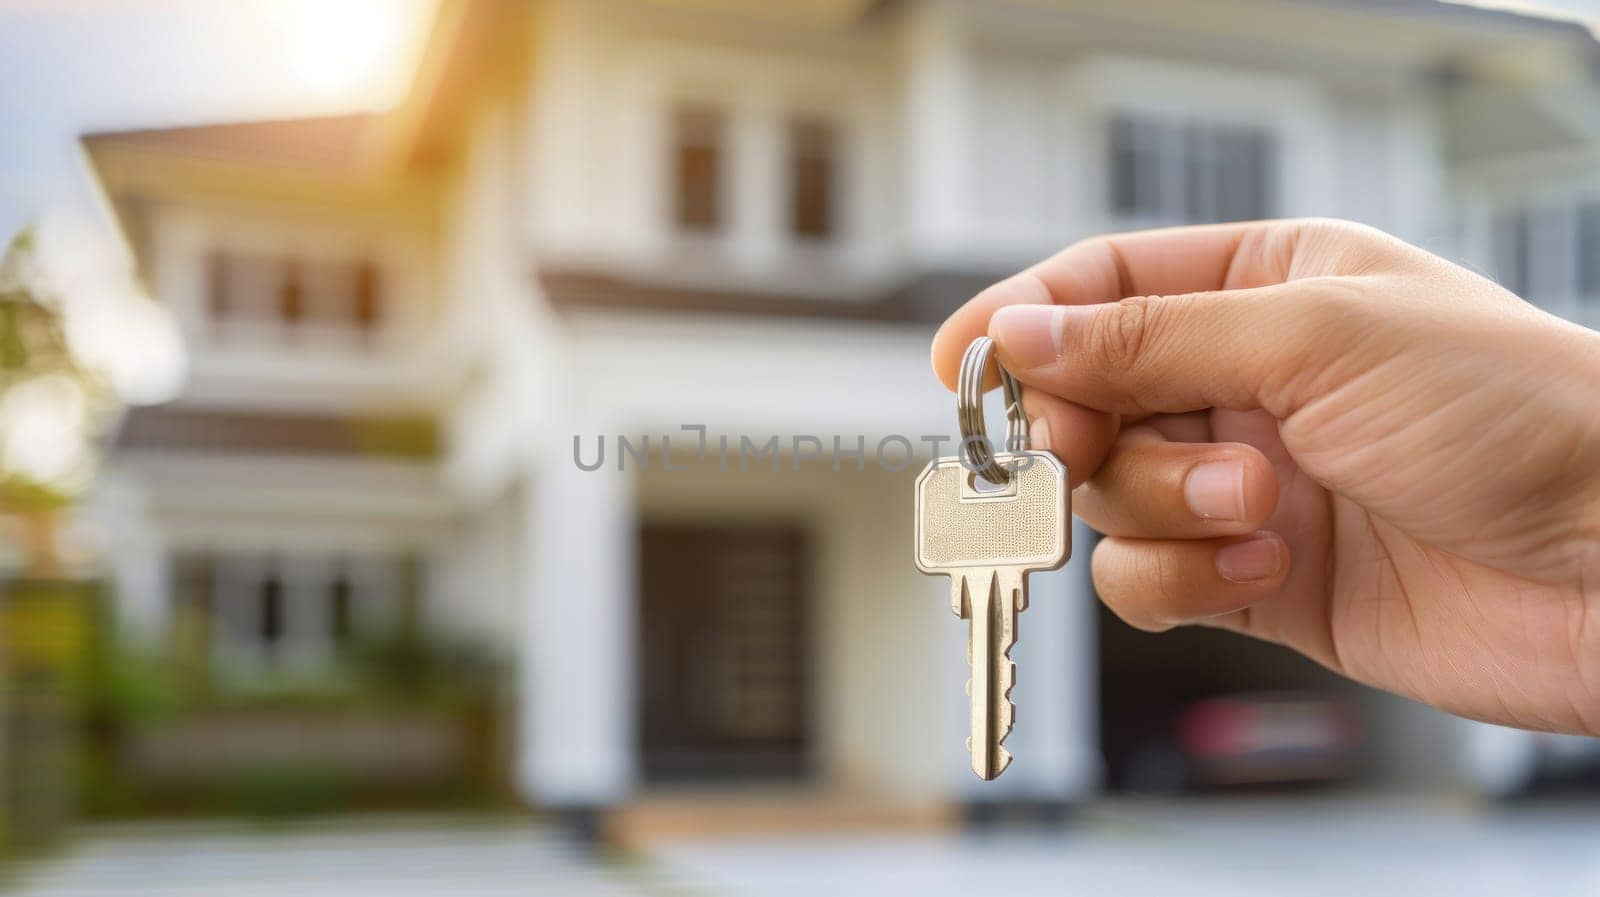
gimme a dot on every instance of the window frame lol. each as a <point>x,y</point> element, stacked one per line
<point>274,616</point>
<point>713,138</point>
<point>830,135</point>
<point>1183,165</point>
<point>294,303</point>
<point>1553,257</point>
<point>1292,108</point>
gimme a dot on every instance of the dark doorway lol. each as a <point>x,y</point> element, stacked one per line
<point>724,652</point>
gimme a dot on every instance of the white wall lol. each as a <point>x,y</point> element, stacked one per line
<point>978,135</point>
<point>261,367</point>
<point>154,505</point>
<point>605,82</point>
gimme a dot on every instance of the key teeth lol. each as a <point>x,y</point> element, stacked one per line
<point>1003,597</point>
<point>1008,709</point>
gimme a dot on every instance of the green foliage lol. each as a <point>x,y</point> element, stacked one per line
<point>410,669</point>
<point>281,791</point>
<point>132,689</point>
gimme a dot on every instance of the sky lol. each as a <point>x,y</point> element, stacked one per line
<point>69,67</point>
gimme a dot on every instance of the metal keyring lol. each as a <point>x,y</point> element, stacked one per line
<point>969,412</point>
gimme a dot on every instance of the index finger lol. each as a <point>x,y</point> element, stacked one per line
<point>1160,262</point>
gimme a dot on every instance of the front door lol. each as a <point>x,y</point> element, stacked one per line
<point>724,650</point>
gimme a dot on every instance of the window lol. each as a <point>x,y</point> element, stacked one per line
<point>246,288</point>
<point>217,289</point>
<point>697,168</point>
<point>1189,172</point>
<point>1589,252</point>
<point>341,619</point>
<point>1511,251</point>
<point>292,294</point>
<point>812,171</point>
<point>1549,253</point>
<point>367,296</point>
<point>251,617</point>
<point>1136,167</point>
<point>270,623</point>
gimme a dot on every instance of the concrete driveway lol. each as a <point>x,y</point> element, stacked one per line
<point>353,858</point>
<point>1275,848</point>
<point>1271,847</point>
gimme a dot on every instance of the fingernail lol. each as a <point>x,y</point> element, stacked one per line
<point>1028,336</point>
<point>1255,559</point>
<point>1039,435</point>
<point>1215,490</point>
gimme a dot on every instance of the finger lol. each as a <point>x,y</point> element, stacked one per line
<point>1149,488</point>
<point>1192,427</point>
<point>1156,585</point>
<point>1079,436</point>
<point>1107,268</point>
<point>1271,347</point>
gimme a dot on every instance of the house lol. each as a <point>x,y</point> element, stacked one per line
<point>623,234</point>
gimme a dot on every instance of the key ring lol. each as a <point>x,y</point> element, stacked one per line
<point>969,412</point>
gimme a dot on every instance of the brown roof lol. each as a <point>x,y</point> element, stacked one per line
<point>333,144</point>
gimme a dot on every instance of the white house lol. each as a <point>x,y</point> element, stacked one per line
<point>663,220</point>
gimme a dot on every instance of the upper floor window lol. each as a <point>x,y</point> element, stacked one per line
<point>813,171</point>
<point>1184,172</point>
<point>292,294</point>
<point>698,159</point>
<point>1550,253</point>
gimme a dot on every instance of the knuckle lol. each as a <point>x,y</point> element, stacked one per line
<point>1347,247</point>
<point>1337,228</point>
<point>1129,340</point>
<point>1334,305</point>
<point>1119,336</point>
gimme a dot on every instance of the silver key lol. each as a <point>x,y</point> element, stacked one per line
<point>988,542</point>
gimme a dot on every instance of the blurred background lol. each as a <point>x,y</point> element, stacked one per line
<point>313,314</point>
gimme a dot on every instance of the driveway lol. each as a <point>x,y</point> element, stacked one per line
<point>399,857</point>
<point>1274,848</point>
<point>1271,847</point>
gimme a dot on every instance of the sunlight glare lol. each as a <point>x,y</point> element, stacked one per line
<point>355,49</point>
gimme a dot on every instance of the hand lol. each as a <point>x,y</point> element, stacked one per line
<point>1315,434</point>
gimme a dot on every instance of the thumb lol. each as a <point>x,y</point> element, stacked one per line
<point>1274,347</point>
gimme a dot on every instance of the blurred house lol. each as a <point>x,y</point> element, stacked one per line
<point>411,333</point>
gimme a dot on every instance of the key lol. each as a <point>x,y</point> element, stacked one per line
<point>988,541</point>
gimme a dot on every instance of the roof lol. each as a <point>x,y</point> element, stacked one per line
<point>470,37</point>
<point>1467,12</point>
<point>332,144</point>
<point>466,40</point>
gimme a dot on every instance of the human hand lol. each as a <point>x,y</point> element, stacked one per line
<point>1315,434</point>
